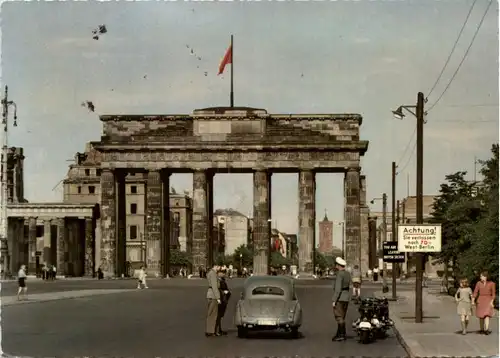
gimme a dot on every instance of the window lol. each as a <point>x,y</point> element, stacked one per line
<point>133,232</point>
<point>133,208</point>
<point>133,189</point>
<point>91,189</point>
<point>98,172</point>
<point>87,172</point>
<point>79,190</point>
<point>268,290</point>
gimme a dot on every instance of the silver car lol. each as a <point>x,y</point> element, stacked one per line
<point>268,303</point>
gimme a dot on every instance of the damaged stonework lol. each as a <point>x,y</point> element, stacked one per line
<point>307,220</point>
<point>153,221</point>
<point>108,223</point>
<point>352,218</point>
<point>261,221</point>
<point>200,221</point>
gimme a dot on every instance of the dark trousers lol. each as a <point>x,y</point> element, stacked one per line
<point>220,315</point>
<point>340,311</point>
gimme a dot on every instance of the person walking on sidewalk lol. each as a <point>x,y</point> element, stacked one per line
<point>142,278</point>
<point>356,283</point>
<point>21,280</point>
<point>463,297</point>
<point>484,295</point>
<point>341,293</point>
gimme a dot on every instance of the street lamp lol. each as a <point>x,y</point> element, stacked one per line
<point>419,114</point>
<point>6,104</point>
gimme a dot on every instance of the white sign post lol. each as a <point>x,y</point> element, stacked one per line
<point>419,238</point>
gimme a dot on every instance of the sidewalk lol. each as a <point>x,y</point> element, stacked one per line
<point>54,296</point>
<point>438,335</point>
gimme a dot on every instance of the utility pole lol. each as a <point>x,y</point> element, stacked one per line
<point>384,225</point>
<point>420,202</point>
<point>393,226</point>
<point>4,222</point>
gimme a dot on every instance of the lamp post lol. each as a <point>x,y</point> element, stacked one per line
<point>4,222</point>
<point>419,114</point>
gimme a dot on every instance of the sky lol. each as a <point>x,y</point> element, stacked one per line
<point>364,57</point>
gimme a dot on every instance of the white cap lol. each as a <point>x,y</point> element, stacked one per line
<point>340,261</point>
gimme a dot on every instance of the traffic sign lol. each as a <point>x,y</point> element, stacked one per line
<point>419,238</point>
<point>391,253</point>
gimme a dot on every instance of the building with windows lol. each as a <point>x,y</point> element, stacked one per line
<point>325,235</point>
<point>235,227</point>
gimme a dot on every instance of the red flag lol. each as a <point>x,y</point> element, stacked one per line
<point>228,59</point>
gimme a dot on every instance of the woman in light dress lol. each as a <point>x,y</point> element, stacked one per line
<point>463,297</point>
<point>21,280</point>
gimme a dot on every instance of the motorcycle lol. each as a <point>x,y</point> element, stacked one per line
<point>373,321</point>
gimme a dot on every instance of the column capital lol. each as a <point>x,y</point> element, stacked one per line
<point>353,169</point>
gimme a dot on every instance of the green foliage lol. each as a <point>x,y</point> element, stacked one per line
<point>179,258</point>
<point>222,260</point>
<point>278,260</point>
<point>246,259</point>
<point>320,260</point>
<point>468,213</point>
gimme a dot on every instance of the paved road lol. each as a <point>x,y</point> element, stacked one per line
<point>168,320</point>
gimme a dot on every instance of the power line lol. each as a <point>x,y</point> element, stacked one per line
<point>473,105</point>
<point>409,159</point>
<point>463,58</point>
<point>410,141</point>
<point>453,49</point>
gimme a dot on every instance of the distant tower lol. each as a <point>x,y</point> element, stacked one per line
<point>325,235</point>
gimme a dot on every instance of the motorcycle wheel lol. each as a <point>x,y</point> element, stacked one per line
<point>364,337</point>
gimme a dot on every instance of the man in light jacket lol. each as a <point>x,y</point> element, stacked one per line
<point>213,299</point>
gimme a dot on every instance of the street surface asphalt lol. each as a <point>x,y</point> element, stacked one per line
<point>167,320</point>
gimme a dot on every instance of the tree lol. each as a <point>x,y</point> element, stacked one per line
<point>246,259</point>
<point>320,260</point>
<point>278,260</point>
<point>482,253</point>
<point>179,258</point>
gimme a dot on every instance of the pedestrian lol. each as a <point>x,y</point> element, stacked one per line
<point>44,272</point>
<point>100,274</point>
<point>21,280</point>
<point>484,296</point>
<point>213,301</point>
<point>356,282</point>
<point>225,294</point>
<point>54,272</point>
<point>463,297</point>
<point>142,278</point>
<point>424,279</point>
<point>375,274</point>
<point>341,292</point>
<point>369,274</point>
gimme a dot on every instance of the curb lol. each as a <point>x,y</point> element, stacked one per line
<point>403,342</point>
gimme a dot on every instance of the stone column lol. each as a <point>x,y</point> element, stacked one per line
<point>262,224</point>
<point>200,227</point>
<point>210,218</point>
<point>352,217</point>
<point>307,220</point>
<point>108,223</point>
<point>61,246</point>
<point>372,228</point>
<point>121,223</point>
<point>365,241</point>
<point>46,242</point>
<point>154,216</point>
<point>165,237</point>
<point>89,247</point>
<point>32,245</point>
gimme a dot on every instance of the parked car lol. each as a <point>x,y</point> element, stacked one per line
<point>268,303</point>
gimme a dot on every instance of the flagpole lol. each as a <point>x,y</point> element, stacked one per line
<point>231,96</point>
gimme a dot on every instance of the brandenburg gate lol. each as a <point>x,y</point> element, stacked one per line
<point>225,140</point>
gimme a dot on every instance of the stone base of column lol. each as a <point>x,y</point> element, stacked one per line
<point>260,263</point>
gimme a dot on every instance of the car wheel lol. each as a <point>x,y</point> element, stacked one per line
<point>295,332</point>
<point>242,332</point>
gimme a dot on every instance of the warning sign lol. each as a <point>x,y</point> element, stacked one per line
<point>419,238</point>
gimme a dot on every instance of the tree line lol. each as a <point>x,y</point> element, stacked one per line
<point>468,214</point>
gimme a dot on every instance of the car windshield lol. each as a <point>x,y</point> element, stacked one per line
<point>268,290</point>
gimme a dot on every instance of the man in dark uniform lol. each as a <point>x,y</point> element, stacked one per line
<point>341,297</point>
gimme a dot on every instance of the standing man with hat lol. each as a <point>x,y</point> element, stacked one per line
<point>341,297</point>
